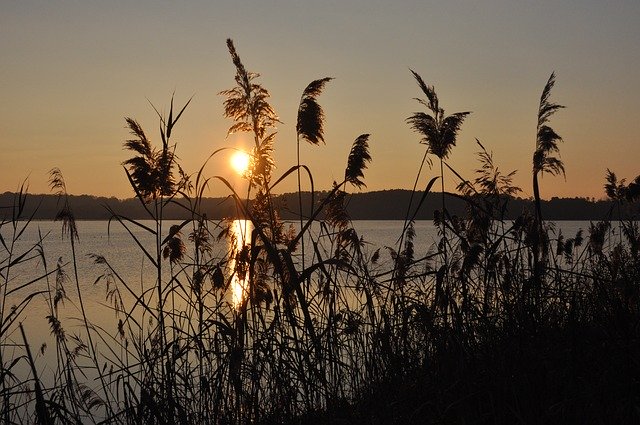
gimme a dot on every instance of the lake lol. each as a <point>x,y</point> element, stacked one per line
<point>117,246</point>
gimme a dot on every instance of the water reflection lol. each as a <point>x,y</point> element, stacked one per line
<point>239,246</point>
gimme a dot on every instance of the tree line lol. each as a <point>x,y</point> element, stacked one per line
<point>375,205</point>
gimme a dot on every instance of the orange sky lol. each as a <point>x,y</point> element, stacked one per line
<point>72,70</point>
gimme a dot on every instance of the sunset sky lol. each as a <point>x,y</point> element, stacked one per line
<point>71,71</point>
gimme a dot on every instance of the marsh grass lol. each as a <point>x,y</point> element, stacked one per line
<point>481,328</point>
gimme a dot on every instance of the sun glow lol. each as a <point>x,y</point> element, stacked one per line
<point>240,162</point>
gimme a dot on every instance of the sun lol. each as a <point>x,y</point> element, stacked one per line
<point>240,162</point>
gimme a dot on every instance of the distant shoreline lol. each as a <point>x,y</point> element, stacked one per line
<point>376,205</point>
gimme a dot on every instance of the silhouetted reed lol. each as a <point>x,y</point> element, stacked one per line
<point>500,321</point>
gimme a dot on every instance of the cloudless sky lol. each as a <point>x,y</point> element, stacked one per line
<point>71,70</point>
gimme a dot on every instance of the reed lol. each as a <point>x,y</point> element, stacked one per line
<point>500,322</point>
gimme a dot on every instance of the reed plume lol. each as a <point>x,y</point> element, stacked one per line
<point>357,162</point>
<point>247,104</point>
<point>65,214</point>
<point>438,131</point>
<point>310,123</point>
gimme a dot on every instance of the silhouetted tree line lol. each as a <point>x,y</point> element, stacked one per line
<point>378,205</point>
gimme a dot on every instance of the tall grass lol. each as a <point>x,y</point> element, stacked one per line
<point>482,327</point>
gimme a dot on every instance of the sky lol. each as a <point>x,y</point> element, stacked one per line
<point>72,70</point>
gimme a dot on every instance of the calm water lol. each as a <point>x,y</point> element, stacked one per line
<point>116,245</point>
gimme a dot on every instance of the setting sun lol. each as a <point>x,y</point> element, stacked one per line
<point>240,162</point>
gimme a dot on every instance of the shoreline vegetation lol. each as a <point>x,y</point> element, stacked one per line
<point>500,321</point>
<point>376,205</point>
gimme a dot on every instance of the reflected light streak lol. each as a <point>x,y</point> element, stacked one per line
<point>241,238</point>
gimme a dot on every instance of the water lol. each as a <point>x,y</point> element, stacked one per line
<point>117,246</point>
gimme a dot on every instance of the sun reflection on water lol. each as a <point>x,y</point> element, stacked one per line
<point>239,245</point>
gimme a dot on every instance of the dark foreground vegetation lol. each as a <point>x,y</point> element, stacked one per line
<point>501,322</point>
